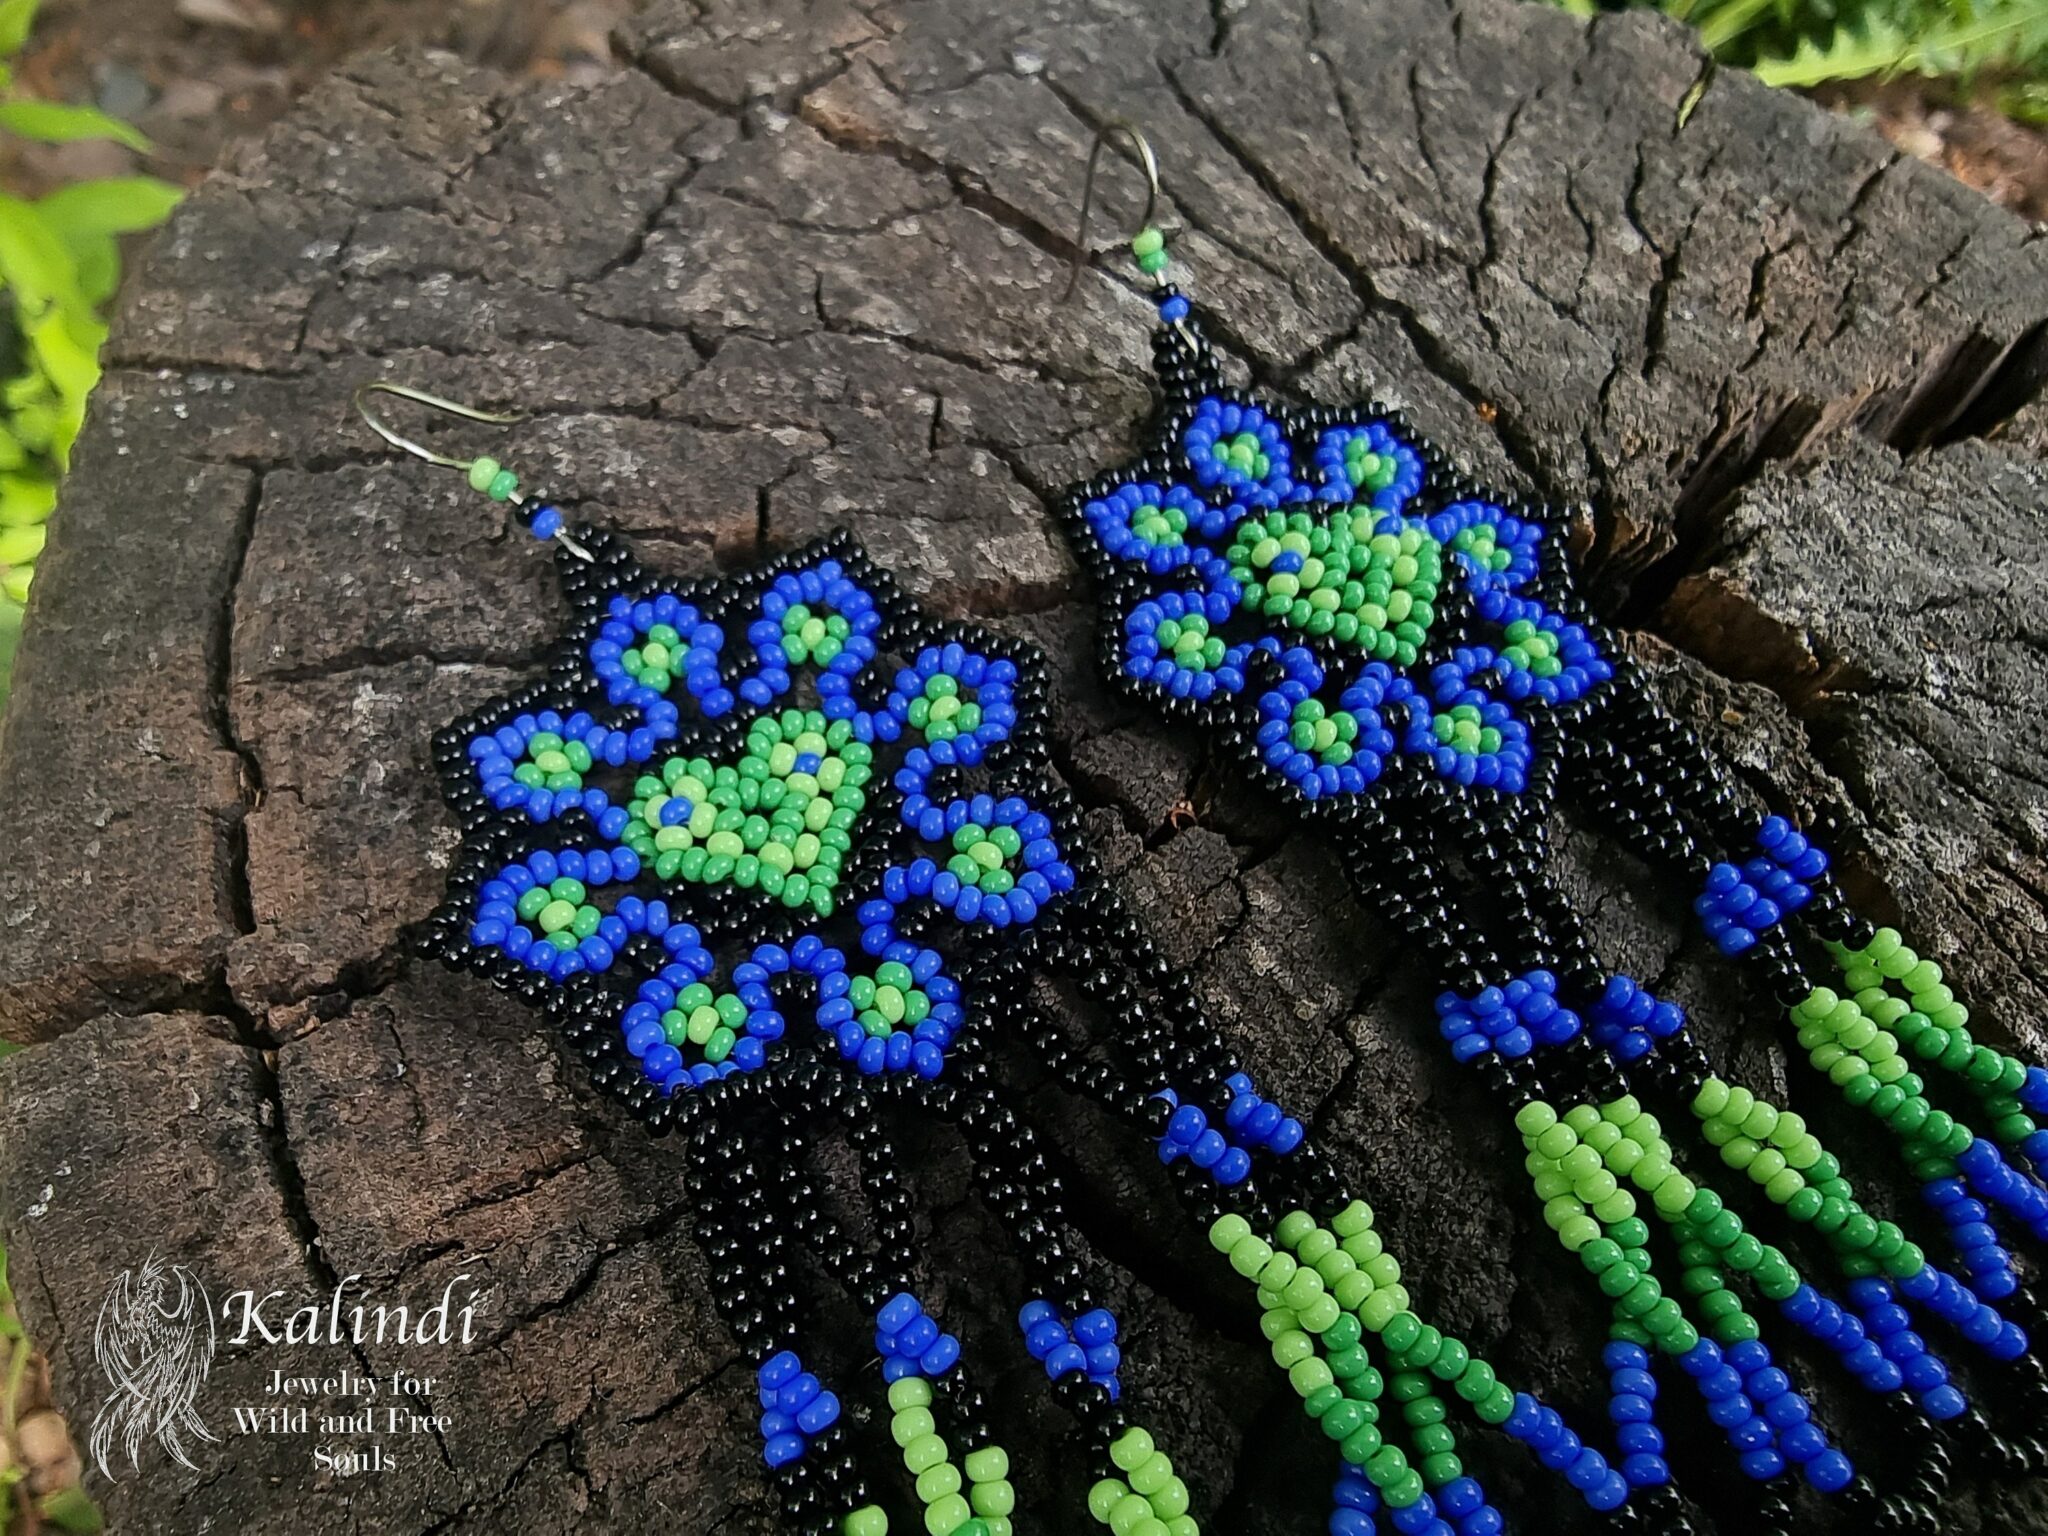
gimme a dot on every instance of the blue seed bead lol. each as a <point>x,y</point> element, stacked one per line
<point>941,1357</point>
<point>819,1414</point>
<point>1095,1328</point>
<point>917,1336</point>
<point>898,1313</point>
<point>1763,1465</point>
<point>1802,1442</point>
<point>1610,1493</point>
<point>1066,1358</point>
<point>1645,1470</point>
<point>1830,1471</point>
<point>547,522</point>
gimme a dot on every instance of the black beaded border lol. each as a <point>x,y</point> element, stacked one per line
<point>1185,367</point>
<point>586,1009</point>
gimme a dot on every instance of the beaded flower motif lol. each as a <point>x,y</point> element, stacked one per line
<point>797,760</point>
<point>1379,616</point>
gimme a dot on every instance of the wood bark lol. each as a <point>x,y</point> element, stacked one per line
<point>799,265</point>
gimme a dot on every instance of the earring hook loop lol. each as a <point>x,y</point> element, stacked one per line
<point>399,440</point>
<point>1140,149</point>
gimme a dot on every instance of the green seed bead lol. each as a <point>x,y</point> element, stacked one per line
<point>1250,1256</point>
<point>1294,1228</point>
<point>1228,1232</point>
<point>1152,1475</point>
<point>1105,1496</point>
<point>1131,1509</point>
<point>1365,1443</point>
<point>1343,1420</point>
<point>1498,1406</point>
<point>908,1393</point>
<point>865,1521</point>
<point>1149,242</point>
<point>1303,1289</point>
<point>1131,1449</point>
<point>1354,1220</point>
<point>1317,1246</point>
<point>1404,1490</point>
<point>1534,1118</point>
<point>947,1515</point>
<point>936,1483</point>
<point>926,1450</point>
<point>1171,1502</point>
<point>504,484</point>
<point>1290,1350</point>
<point>1321,1314</point>
<point>482,472</point>
<point>995,1499</point>
<point>1308,1376</point>
<point>910,1425</point>
<point>1557,1141</point>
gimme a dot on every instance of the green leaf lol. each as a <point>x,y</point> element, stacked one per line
<point>16,17</point>
<point>87,218</point>
<point>10,637</point>
<point>25,500</point>
<point>70,1510</point>
<point>56,122</point>
<point>119,205</point>
<point>21,546</point>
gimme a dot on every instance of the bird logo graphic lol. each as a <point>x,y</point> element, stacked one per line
<point>155,1341</point>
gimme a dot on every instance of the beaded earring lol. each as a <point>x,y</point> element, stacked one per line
<point>1399,656</point>
<point>778,854</point>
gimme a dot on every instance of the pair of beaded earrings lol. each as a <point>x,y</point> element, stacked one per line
<point>779,853</point>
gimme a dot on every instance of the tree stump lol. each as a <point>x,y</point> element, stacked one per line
<point>799,266</point>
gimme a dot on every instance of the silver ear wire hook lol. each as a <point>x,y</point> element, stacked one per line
<point>447,461</point>
<point>421,397</point>
<point>1141,150</point>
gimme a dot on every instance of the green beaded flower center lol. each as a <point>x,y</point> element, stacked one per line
<point>808,638</point>
<point>982,856</point>
<point>1477,543</point>
<point>655,661</point>
<point>1460,729</point>
<point>761,822</point>
<point>1336,576</point>
<point>1329,733</point>
<point>889,999</point>
<point>1531,648</point>
<point>1243,453</point>
<point>562,911</point>
<point>552,763</point>
<point>940,711</point>
<point>1188,641</point>
<point>710,1021</point>
<point>1369,472</point>
<point>1162,527</point>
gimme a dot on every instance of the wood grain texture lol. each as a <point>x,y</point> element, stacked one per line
<point>798,266</point>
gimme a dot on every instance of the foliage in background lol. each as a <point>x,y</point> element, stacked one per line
<point>60,261</point>
<point>39,1466</point>
<point>1806,43</point>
